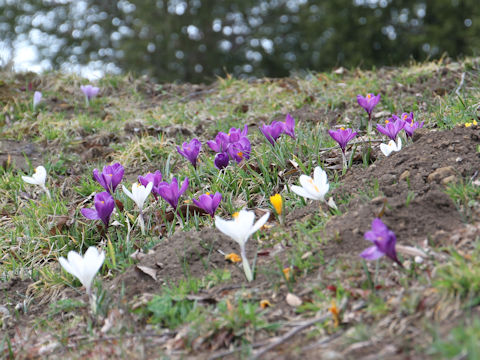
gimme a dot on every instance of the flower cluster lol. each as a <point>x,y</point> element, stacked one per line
<point>393,126</point>
<point>410,124</point>
<point>233,145</point>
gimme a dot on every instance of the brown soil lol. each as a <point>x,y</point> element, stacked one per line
<point>14,153</point>
<point>420,171</point>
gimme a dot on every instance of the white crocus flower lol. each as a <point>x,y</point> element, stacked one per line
<point>37,98</point>
<point>387,149</point>
<point>39,177</point>
<point>240,229</point>
<point>139,194</point>
<point>315,188</point>
<point>84,268</point>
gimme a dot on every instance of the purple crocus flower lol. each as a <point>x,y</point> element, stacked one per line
<point>410,124</point>
<point>384,241</point>
<point>190,150</point>
<point>209,202</point>
<point>110,177</point>
<point>155,178</point>
<point>342,136</point>
<point>289,126</point>
<point>368,102</point>
<point>273,131</point>
<point>170,192</point>
<point>240,150</point>
<point>104,205</point>
<point>392,127</point>
<point>89,91</point>
<point>235,134</point>
<point>220,143</point>
<point>221,160</point>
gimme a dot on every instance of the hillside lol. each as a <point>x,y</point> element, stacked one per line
<point>172,292</point>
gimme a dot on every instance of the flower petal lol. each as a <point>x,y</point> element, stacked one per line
<point>229,228</point>
<point>76,263</point>
<point>93,260</point>
<point>128,193</point>
<point>90,214</point>
<point>371,253</point>
<point>30,180</point>
<point>40,175</point>
<point>309,186</point>
<point>66,266</point>
<point>387,149</point>
<point>260,222</point>
<point>302,192</point>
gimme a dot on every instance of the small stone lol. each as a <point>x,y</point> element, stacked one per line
<point>449,179</point>
<point>388,179</point>
<point>458,159</point>
<point>404,175</point>
<point>293,300</point>
<point>440,174</point>
<point>418,259</point>
<point>378,200</point>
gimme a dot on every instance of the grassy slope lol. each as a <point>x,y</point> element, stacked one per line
<point>64,131</point>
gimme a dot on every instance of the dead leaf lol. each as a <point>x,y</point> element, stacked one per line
<point>60,223</point>
<point>148,271</point>
<point>110,321</point>
<point>119,205</point>
<point>137,255</point>
<point>293,300</point>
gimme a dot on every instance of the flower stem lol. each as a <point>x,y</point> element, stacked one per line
<point>344,159</point>
<point>246,265</point>
<point>141,221</point>
<point>47,192</point>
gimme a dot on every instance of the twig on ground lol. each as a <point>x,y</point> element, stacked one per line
<point>223,354</point>
<point>322,341</point>
<point>289,334</point>
<point>280,340</point>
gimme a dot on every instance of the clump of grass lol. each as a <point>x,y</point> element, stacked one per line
<point>460,343</point>
<point>460,276</point>
<point>466,196</point>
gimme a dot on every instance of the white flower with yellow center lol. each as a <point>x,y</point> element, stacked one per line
<point>38,178</point>
<point>240,229</point>
<point>315,188</point>
<point>387,149</point>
